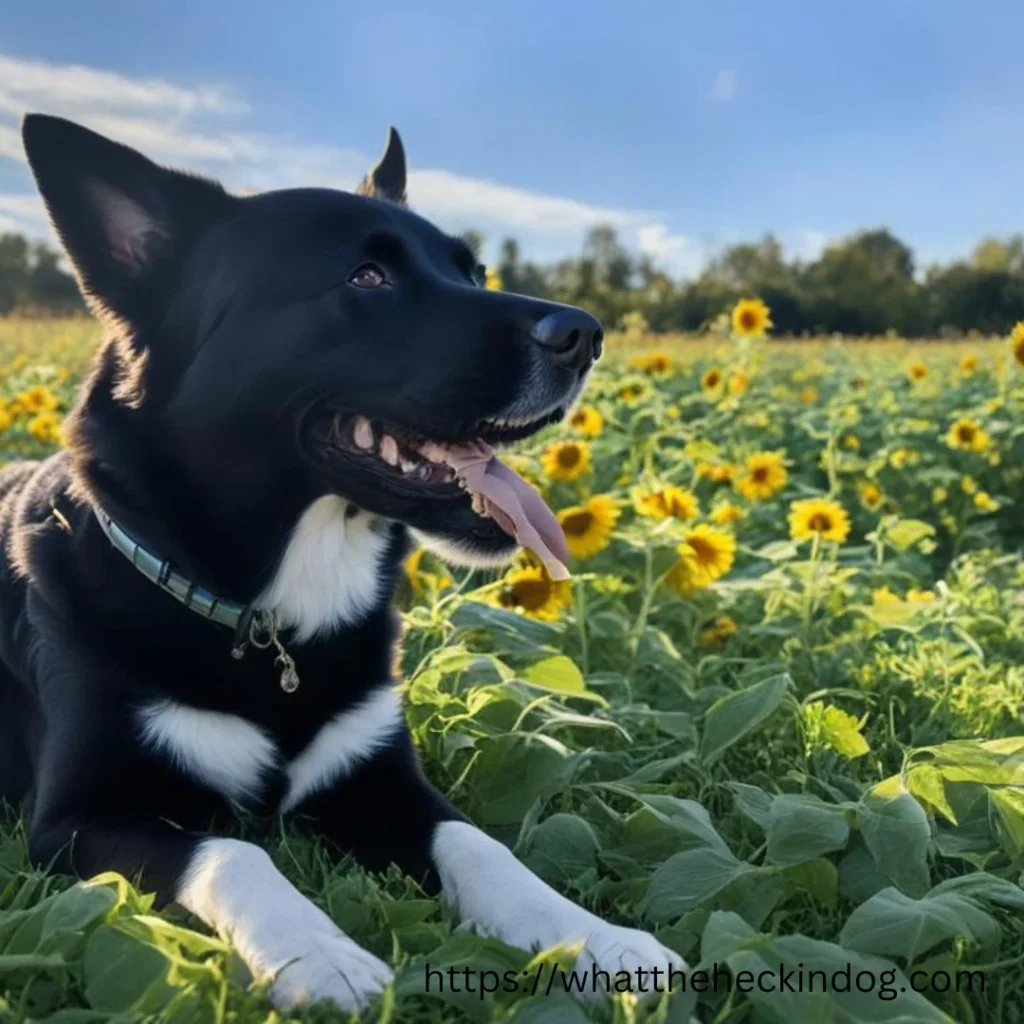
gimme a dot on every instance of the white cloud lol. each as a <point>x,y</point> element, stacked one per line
<point>204,127</point>
<point>678,252</point>
<point>725,85</point>
<point>58,88</point>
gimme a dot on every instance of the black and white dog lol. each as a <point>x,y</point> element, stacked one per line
<point>290,382</point>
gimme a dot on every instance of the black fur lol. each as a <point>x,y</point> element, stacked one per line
<point>234,342</point>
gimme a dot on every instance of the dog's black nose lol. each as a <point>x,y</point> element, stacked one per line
<point>572,336</point>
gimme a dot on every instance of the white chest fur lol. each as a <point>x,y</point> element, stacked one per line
<point>232,755</point>
<point>329,574</point>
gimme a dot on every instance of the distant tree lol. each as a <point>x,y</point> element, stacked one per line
<point>865,285</point>
<point>14,271</point>
<point>31,278</point>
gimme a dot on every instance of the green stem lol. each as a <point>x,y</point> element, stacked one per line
<point>581,624</point>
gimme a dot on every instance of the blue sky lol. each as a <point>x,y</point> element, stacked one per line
<point>689,125</point>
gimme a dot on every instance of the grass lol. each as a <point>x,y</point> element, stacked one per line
<point>767,748</point>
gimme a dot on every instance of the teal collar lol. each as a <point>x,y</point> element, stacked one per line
<point>181,588</point>
<point>250,625</point>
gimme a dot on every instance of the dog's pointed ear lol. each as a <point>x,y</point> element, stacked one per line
<point>387,179</point>
<point>121,218</point>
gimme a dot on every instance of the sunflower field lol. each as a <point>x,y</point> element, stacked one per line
<point>775,717</point>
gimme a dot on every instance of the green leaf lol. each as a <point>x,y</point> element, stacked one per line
<point>1009,806</point>
<point>819,877</point>
<point>731,941</point>
<point>905,533</point>
<point>895,924</point>
<point>124,972</point>
<point>801,828</point>
<point>980,885</point>
<point>511,771</point>
<point>560,674</point>
<point>732,717</point>
<point>896,831</point>
<point>561,848</point>
<point>687,879</point>
<point>753,802</point>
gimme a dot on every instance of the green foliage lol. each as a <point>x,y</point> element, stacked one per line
<point>817,760</point>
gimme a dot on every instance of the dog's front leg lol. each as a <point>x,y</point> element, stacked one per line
<point>385,811</point>
<point>88,819</point>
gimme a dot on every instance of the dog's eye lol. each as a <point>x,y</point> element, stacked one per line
<point>369,275</point>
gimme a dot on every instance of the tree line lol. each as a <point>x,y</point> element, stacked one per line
<point>866,284</point>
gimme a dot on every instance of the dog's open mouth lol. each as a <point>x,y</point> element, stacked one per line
<point>446,467</point>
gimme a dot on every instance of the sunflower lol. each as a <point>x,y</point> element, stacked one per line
<point>818,516</point>
<point>533,592</point>
<point>420,579</point>
<point>764,475</point>
<point>851,442</point>
<point>711,381</point>
<point>566,460</point>
<point>726,513</point>
<point>37,399</point>
<point>634,392</point>
<point>705,555</point>
<point>809,395</point>
<point>739,382</point>
<point>665,502</point>
<point>588,527</point>
<point>587,420</point>
<point>751,318</point>
<point>1017,342</point>
<point>917,370</point>
<point>872,496</point>
<point>657,363</point>
<point>985,502</point>
<point>968,436</point>
<point>45,427</point>
<point>969,364</point>
<point>915,596</point>
<point>718,632</point>
<point>492,280</point>
<point>717,473</point>
<point>884,596</point>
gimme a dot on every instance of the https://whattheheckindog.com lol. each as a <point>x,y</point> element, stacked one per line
<point>549,979</point>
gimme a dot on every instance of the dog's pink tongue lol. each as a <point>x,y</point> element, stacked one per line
<point>513,504</point>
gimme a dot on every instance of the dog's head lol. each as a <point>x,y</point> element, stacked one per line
<point>315,340</point>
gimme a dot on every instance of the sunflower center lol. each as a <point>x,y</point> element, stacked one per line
<point>747,320</point>
<point>712,379</point>
<point>529,594</point>
<point>705,552</point>
<point>578,523</point>
<point>759,474</point>
<point>966,434</point>
<point>569,456</point>
<point>820,522</point>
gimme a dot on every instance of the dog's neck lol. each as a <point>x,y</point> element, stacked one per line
<point>314,560</point>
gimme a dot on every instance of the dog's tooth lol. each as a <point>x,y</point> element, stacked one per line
<point>389,450</point>
<point>362,433</point>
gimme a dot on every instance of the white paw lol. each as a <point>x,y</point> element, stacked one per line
<point>330,966</point>
<point>503,899</point>
<point>629,955</point>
